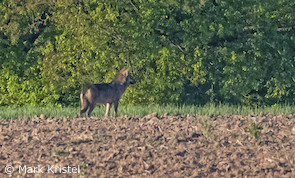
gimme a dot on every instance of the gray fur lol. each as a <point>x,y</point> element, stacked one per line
<point>106,93</point>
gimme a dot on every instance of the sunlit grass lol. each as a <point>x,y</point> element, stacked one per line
<point>141,110</point>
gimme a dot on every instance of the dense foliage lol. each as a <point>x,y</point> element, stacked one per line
<point>193,52</point>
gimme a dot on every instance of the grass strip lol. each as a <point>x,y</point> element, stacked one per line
<point>13,112</point>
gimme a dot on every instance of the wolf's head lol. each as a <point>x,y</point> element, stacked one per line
<point>123,77</point>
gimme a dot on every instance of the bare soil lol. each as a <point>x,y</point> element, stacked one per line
<point>151,146</point>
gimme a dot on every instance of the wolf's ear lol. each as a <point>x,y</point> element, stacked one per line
<point>124,71</point>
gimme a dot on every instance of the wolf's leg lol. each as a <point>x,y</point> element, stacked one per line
<point>116,103</point>
<point>83,111</point>
<point>108,107</point>
<point>92,105</point>
<point>84,107</point>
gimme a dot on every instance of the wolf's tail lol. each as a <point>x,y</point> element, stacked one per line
<point>81,98</point>
<point>83,102</point>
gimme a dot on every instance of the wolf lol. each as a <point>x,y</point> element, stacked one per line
<point>105,93</point>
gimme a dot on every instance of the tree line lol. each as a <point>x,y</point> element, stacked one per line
<point>179,51</point>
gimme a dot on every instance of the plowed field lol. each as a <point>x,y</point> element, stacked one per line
<point>150,146</point>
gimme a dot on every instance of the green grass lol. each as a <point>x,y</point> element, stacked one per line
<point>7,112</point>
<point>254,130</point>
<point>207,128</point>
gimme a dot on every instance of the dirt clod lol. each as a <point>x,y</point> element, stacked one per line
<point>42,116</point>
